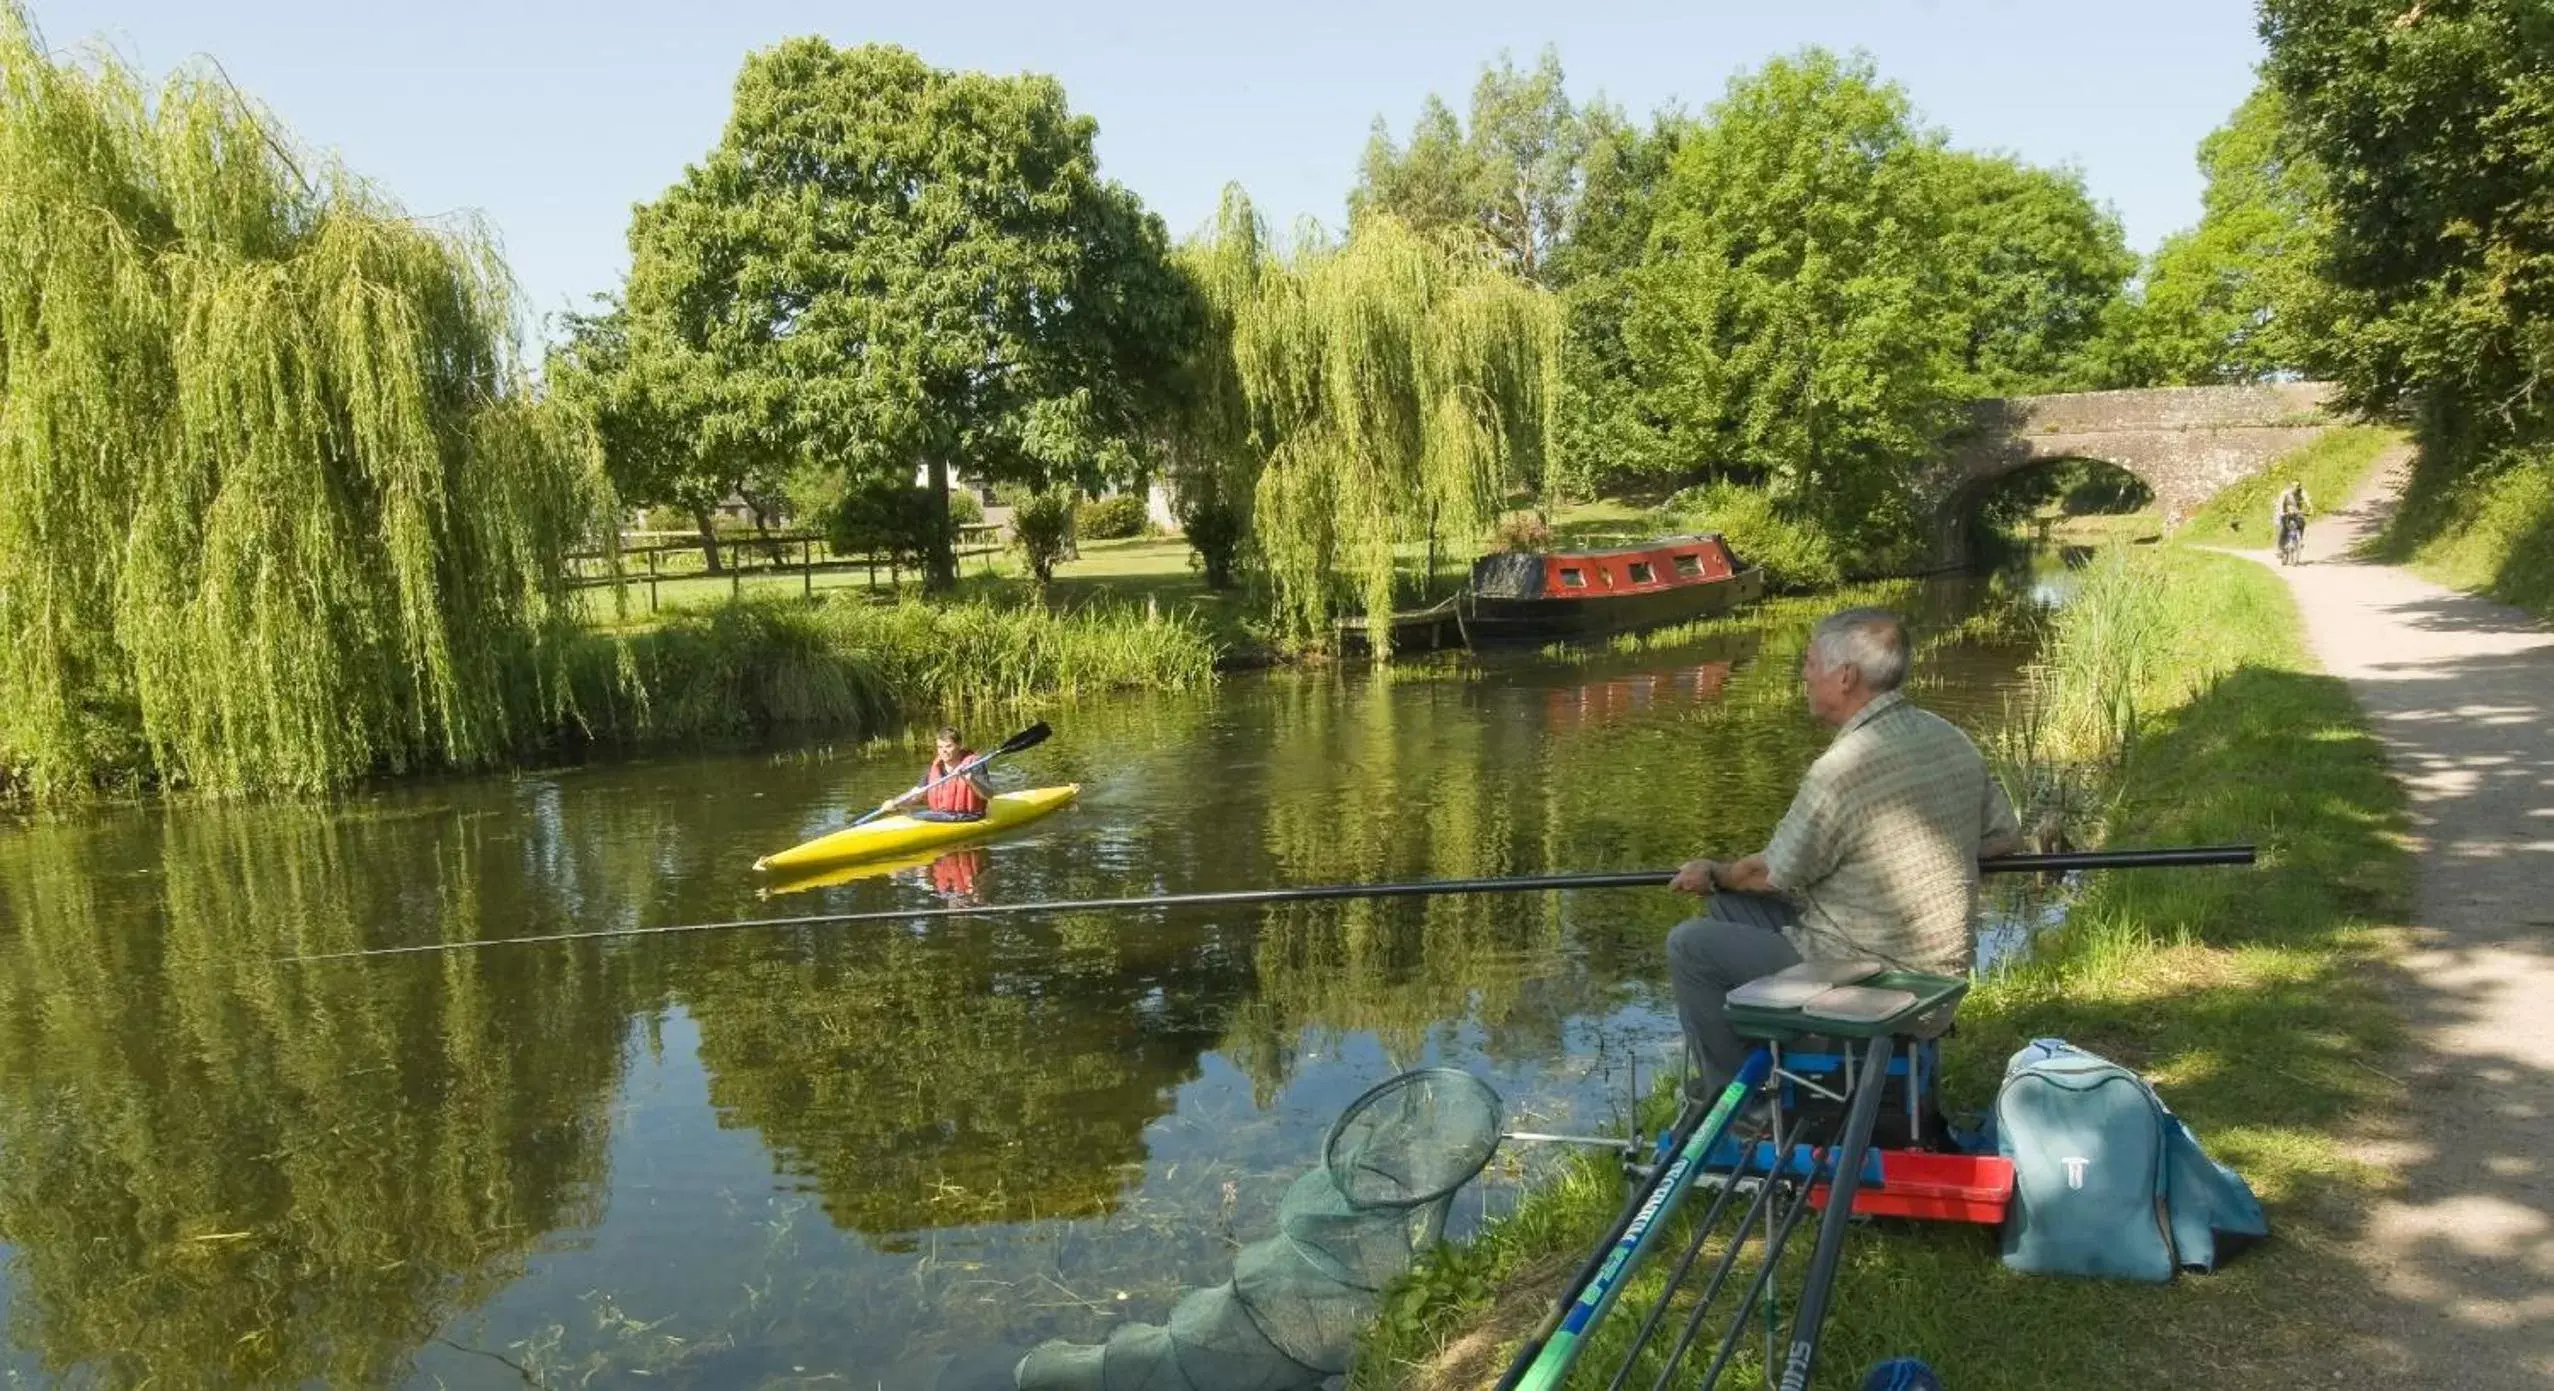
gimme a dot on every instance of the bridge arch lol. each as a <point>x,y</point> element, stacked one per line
<point>2183,443</point>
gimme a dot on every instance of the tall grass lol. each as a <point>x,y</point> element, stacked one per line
<point>756,667</point>
<point>2489,530</point>
<point>2145,631</point>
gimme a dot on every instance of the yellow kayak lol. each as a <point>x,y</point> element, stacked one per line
<point>904,835</point>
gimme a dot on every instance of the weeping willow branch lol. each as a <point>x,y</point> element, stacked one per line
<point>1388,385</point>
<point>275,511</point>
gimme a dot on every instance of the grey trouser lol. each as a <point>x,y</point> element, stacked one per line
<point>1738,938</point>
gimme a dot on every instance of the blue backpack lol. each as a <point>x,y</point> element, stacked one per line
<point>2106,1180</point>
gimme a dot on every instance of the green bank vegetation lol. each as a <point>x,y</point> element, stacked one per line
<point>758,667</point>
<point>2332,468</point>
<point>2248,996</point>
<point>2490,530</point>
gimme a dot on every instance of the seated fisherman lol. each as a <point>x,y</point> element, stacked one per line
<point>1876,860</point>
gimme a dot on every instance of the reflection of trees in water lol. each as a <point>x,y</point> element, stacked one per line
<point>219,1168</point>
<point>966,1074</point>
<point>1447,779</point>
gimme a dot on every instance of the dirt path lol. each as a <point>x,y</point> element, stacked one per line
<point>2462,692</point>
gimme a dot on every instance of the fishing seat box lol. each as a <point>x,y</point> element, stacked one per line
<point>1814,1050</point>
<point>1914,1171</point>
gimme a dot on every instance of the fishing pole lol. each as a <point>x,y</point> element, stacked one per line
<point>2180,856</point>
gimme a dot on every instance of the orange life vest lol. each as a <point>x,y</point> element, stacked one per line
<point>957,794</point>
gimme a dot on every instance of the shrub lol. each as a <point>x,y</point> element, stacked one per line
<point>1524,531</point>
<point>1042,526</point>
<point>964,508</point>
<point>1215,531</point>
<point>1795,554</point>
<point>886,517</point>
<point>1110,518</point>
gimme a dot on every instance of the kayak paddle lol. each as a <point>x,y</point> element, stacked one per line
<point>1028,738</point>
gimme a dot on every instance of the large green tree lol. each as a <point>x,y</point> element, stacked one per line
<point>2034,266</point>
<point>1791,322</point>
<point>2433,123</point>
<point>1602,427</point>
<point>885,268</point>
<point>2240,297</point>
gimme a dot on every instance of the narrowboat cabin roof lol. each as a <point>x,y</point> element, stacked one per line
<point>1670,562</point>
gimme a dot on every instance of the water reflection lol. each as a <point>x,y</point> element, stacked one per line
<point>716,1159</point>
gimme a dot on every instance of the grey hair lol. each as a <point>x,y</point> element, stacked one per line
<point>1871,641</point>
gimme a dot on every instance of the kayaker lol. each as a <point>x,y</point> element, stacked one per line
<point>1877,860</point>
<point>961,798</point>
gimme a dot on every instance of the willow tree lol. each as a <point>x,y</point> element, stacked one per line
<point>1395,385</point>
<point>273,511</point>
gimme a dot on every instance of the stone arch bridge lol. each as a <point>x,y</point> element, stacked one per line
<point>2184,443</point>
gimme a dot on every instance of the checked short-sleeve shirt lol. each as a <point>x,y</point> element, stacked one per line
<point>1879,852</point>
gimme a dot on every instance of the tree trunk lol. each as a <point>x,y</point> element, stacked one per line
<point>709,541</point>
<point>943,573</point>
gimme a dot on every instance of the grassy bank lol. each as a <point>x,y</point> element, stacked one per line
<point>2331,468</point>
<point>2246,995</point>
<point>2489,530</point>
<point>758,667</point>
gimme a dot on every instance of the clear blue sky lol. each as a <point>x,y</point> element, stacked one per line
<point>551,118</point>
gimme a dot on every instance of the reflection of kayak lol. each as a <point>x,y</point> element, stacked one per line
<point>904,835</point>
<point>792,881</point>
<point>946,878</point>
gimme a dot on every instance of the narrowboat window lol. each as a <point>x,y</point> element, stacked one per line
<point>1641,572</point>
<point>1689,565</point>
<point>1572,578</point>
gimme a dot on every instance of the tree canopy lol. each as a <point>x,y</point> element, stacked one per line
<point>2239,297</point>
<point>884,267</point>
<point>1512,177</point>
<point>2434,128</point>
<point>275,510</point>
<point>1790,319</point>
<point>2034,267</point>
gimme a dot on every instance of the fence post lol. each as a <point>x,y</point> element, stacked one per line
<point>807,559</point>
<point>651,580</point>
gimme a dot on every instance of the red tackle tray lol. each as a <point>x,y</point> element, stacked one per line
<point>1934,1187</point>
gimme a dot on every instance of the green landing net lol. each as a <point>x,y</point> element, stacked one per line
<point>1290,1316</point>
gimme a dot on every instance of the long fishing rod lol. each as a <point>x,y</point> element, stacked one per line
<point>1417,888</point>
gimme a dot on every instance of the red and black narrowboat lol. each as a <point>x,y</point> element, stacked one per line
<point>1536,597</point>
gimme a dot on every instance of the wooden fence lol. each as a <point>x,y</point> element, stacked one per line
<point>762,555</point>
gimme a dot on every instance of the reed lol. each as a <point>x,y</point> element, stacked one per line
<point>756,667</point>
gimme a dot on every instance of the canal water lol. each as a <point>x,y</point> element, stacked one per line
<point>810,1156</point>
